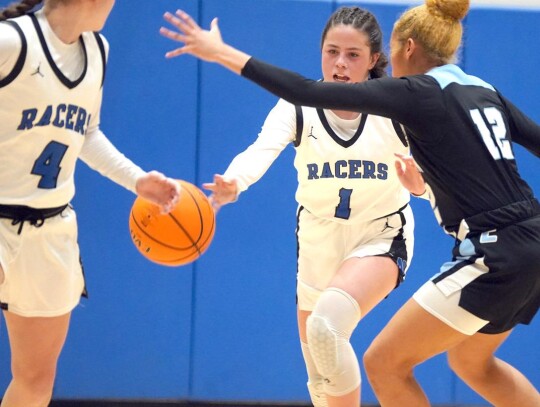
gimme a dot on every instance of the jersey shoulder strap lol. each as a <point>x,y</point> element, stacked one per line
<point>20,60</point>
<point>401,132</point>
<point>101,46</point>
<point>299,125</point>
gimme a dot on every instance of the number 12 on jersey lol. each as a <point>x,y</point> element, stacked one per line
<point>491,126</point>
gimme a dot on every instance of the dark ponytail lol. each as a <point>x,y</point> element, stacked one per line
<point>18,9</point>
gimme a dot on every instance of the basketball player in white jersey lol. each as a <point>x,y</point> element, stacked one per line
<point>355,228</point>
<point>52,67</point>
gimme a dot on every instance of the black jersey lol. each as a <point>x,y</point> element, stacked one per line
<point>460,131</point>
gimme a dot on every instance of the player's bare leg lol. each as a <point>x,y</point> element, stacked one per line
<point>35,345</point>
<point>498,382</point>
<point>412,336</point>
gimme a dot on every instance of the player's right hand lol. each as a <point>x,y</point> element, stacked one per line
<point>204,44</point>
<point>223,191</point>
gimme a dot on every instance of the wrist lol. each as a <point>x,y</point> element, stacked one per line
<point>232,58</point>
<point>420,195</point>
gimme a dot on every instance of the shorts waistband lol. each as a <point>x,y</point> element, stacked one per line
<point>394,213</point>
<point>499,218</point>
<point>36,217</point>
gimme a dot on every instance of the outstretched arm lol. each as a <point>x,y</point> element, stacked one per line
<point>384,97</point>
<point>101,155</point>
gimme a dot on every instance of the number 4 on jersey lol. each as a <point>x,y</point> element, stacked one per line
<point>47,165</point>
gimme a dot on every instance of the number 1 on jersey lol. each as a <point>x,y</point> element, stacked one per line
<point>47,165</point>
<point>343,210</point>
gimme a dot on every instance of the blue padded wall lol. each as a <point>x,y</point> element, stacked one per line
<point>245,330</point>
<point>224,328</point>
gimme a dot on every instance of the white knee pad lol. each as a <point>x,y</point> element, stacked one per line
<point>315,380</point>
<point>329,329</point>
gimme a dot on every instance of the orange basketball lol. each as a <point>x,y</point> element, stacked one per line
<point>179,237</point>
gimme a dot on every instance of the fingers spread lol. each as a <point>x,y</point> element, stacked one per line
<point>209,186</point>
<point>172,35</point>
<point>177,22</point>
<point>186,19</point>
<point>176,52</point>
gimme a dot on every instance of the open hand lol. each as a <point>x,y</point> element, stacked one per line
<point>408,174</point>
<point>204,44</point>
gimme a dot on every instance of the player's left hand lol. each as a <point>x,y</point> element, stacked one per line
<point>157,188</point>
<point>408,174</point>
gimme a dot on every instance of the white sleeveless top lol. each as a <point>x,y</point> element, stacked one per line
<point>345,168</point>
<point>352,179</point>
<point>45,117</point>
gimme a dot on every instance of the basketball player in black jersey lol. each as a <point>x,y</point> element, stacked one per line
<point>460,131</point>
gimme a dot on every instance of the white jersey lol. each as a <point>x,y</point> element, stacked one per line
<point>50,118</point>
<point>345,168</point>
<point>348,180</point>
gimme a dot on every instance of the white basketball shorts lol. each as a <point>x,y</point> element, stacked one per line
<point>43,274</point>
<point>323,245</point>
